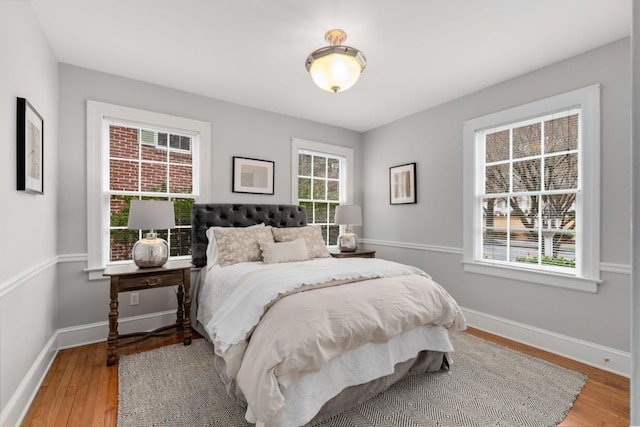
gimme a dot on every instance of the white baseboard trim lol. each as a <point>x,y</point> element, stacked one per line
<point>598,356</point>
<point>17,407</point>
<point>95,332</point>
<point>619,362</point>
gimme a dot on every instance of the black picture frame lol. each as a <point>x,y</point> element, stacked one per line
<point>30,148</point>
<point>402,184</point>
<point>253,176</point>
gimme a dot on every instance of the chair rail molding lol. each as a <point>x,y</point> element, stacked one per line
<point>14,282</point>
<point>607,267</point>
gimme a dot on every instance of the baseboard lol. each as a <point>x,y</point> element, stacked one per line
<point>598,356</point>
<point>96,332</point>
<point>619,362</point>
<point>18,405</point>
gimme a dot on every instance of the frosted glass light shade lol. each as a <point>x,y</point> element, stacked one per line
<point>335,72</point>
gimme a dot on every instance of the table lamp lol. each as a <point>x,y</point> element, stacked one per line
<point>348,215</point>
<point>151,251</point>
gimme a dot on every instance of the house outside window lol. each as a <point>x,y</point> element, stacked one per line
<point>321,181</point>
<point>137,154</point>
<point>139,170</point>
<point>532,191</point>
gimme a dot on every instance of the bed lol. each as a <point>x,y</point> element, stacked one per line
<point>301,336</point>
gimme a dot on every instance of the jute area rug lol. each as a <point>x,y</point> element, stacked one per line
<point>488,385</point>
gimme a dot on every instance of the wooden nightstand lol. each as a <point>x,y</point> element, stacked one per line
<point>125,278</point>
<point>359,253</point>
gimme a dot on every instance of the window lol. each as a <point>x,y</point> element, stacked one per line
<point>135,154</point>
<point>532,189</point>
<point>321,181</point>
<point>138,170</point>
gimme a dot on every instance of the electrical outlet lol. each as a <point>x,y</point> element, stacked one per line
<point>135,298</point>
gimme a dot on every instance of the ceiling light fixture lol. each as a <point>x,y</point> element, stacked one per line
<point>335,68</point>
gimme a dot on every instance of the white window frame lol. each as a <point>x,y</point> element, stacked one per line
<point>587,274</point>
<point>346,167</point>
<point>99,115</point>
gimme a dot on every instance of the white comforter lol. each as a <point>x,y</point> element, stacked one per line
<point>269,341</point>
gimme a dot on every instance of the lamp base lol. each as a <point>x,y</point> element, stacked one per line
<point>348,242</point>
<point>150,251</point>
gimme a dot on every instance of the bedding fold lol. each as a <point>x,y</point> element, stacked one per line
<point>302,332</point>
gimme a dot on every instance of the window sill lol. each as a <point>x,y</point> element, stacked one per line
<point>544,278</point>
<point>96,273</point>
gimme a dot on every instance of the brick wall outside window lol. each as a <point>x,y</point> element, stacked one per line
<point>135,167</point>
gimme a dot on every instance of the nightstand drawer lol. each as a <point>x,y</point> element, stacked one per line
<point>360,253</point>
<point>146,281</point>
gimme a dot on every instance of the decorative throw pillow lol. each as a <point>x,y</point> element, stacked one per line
<point>212,245</point>
<point>241,244</point>
<point>295,250</point>
<point>312,235</point>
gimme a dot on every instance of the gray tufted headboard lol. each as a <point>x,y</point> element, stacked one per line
<point>205,215</point>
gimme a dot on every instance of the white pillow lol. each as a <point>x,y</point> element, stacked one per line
<point>295,250</point>
<point>213,254</point>
<point>312,234</point>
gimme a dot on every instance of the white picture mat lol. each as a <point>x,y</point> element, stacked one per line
<point>402,184</point>
<point>252,176</point>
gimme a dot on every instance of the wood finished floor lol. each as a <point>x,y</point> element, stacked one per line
<point>80,390</point>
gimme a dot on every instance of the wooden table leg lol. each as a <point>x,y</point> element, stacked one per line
<point>187,306</point>
<point>180,311</point>
<point>112,340</point>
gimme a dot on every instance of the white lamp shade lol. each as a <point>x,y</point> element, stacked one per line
<point>151,215</point>
<point>348,215</point>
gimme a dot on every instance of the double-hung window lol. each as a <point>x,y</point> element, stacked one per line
<point>136,154</point>
<point>531,191</point>
<point>321,181</point>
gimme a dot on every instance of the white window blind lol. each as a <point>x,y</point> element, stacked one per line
<point>531,176</point>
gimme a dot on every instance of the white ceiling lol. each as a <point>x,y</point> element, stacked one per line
<point>420,53</point>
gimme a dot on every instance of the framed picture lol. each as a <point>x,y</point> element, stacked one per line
<point>252,176</point>
<point>30,148</point>
<point>402,184</point>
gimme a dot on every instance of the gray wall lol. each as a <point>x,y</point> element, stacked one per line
<point>635,195</point>
<point>237,131</point>
<point>28,254</point>
<point>433,139</point>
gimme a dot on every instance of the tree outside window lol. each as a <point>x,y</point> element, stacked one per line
<point>530,186</point>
